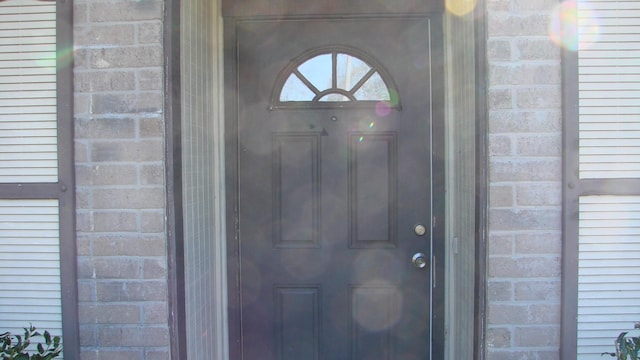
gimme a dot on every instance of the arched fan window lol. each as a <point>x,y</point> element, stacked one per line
<point>333,77</point>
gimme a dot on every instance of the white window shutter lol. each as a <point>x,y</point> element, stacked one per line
<point>609,136</point>
<point>609,90</point>
<point>30,285</point>
<point>28,127</point>
<point>609,271</point>
<point>30,265</point>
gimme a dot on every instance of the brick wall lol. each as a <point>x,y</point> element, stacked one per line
<point>120,173</point>
<point>120,179</point>
<point>525,152</point>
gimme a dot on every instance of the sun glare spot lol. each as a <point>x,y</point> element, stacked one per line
<point>460,7</point>
<point>573,27</point>
<point>383,108</point>
<point>65,56</point>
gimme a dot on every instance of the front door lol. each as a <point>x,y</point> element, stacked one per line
<point>333,253</point>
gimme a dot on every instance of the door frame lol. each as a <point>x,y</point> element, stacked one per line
<point>173,153</point>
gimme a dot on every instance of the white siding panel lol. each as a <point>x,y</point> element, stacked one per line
<point>609,89</point>
<point>28,137</point>
<point>30,265</point>
<point>609,271</point>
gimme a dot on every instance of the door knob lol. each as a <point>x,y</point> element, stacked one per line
<point>419,260</point>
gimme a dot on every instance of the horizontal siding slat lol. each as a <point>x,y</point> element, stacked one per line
<point>34,280</point>
<point>20,273</point>
<point>586,88</point>
<point>600,93</point>
<point>595,143</point>
<point>34,93</point>
<point>26,19</point>
<point>604,49</point>
<point>36,157</point>
<point>29,133</point>
<point>622,162</point>
<point>609,78</point>
<point>29,178</point>
<point>632,294</point>
<point>24,87</point>
<point>607,220</point>
<point>598,65</point>
<point>603,110</point>
<point>603,30</point>
<point>34,60</point>
<point>27,7</point>
<point>23,110</point>
<point>27,71</point>
<point>13,26</point>
<point>21,50</point>
<point>630,118</point>
<point>611,126</point>
<point>13,34</point>
<point>18,125</point>
<point>586,70</point>
<point>607,232</point>
<point>29,102</point>
<point>611,150</point>
<point>607,22</point>
<point>620,11</point>
<point>597,239</point>
<point>600,286</point>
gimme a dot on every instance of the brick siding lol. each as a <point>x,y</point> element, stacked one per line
<point>524,244</point>
<point>119,140</point>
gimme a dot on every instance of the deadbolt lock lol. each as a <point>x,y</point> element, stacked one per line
<point>420,230</point>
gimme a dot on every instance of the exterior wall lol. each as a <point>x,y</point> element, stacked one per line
<point>524,242</point>
<point>120,180</point>
<point>119,129</point>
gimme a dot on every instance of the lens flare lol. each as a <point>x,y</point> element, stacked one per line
<point>395,97</point>
<point>383,108</point>
<point>460,7</point>
<point>573,27</point>
<point>65,56</point>
<point>378,305</point>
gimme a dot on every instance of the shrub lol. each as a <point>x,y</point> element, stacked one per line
<point>627,347</point>
<point>16,347</point>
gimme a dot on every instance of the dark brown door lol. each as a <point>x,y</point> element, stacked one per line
<point>334,247</point>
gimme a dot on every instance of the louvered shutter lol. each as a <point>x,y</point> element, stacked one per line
<point>609,174</point>
<point>29,265</point>
<point>609,271</point>
<point>28,92</point>
<point>609,90</point>
<point>30,269</point>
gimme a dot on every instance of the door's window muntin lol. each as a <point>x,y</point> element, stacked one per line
<point>334,76</point>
